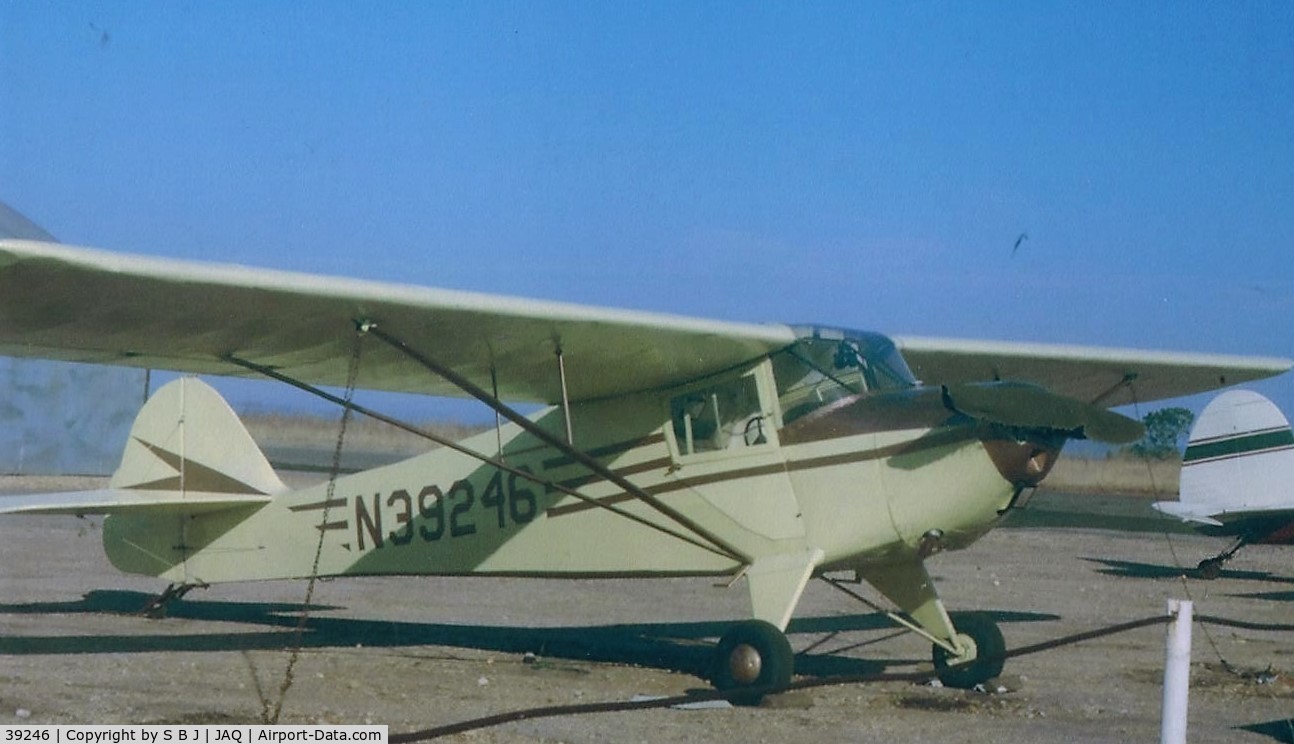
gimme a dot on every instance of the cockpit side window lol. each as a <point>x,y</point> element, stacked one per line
<point>725,416</point>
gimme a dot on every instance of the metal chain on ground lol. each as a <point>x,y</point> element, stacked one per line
<point>711,695</point>
<point>352,374</point>
<point>1207,620</point>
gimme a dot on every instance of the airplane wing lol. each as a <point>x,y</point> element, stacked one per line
<point>1088,373</point>
<point>85,305</point>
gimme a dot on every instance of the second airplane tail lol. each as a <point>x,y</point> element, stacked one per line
<point>1240,459</point>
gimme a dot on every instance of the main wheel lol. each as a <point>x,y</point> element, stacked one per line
<point>752,654</point>
<point>982,659</point>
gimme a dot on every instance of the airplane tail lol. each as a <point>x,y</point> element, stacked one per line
<point>189,474</point>
<point>1240,458</point>
<point>187,453</point>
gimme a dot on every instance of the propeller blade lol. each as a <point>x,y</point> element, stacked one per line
<point>1016,404</point>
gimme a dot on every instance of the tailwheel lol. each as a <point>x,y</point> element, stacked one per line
<point>1209,568</point>
<point>753,654</point>
<point>982,657</point>
<point>156,607</point>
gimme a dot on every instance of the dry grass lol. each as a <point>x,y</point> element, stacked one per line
<point>1118,474</point>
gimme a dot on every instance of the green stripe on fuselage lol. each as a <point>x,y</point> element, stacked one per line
<point>1239,445</point>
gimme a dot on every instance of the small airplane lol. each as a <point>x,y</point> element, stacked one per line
<point>1236,476</point>
<point>668,446</point>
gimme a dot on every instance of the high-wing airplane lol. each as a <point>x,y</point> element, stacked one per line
<point>669,446</point>
<point>1238,476</point>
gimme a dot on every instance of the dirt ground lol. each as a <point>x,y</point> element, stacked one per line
<point>416,652</point>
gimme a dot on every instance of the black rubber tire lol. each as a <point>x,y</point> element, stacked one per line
<point>776,659</point>
<point>990,648</point>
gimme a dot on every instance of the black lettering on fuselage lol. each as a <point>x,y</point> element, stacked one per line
<point>370,522</point>
<point>431,507</point>
<point>460,520</point>
<point>435,514</point>
<point>403,516</point>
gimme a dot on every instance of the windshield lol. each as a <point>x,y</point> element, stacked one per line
<point>828,364</point>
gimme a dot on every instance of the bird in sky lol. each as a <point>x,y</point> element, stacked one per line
<point>1023,237</point>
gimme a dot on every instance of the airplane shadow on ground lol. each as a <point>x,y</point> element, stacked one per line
<point>1132,569</point>
<point>1281,730</point>
<point>1269,596</point>
<point>680,647</point>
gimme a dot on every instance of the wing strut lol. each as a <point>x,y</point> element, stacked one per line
<point>467,386</point>
<point>496,462</point>
<point>566,401</point>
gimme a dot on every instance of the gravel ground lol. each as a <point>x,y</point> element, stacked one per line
<point>417,652</point>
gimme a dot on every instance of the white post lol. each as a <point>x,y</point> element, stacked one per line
<point>1177,673</point>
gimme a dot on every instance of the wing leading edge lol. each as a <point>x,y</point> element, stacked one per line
<point>86,305</point>
<point>1108,376</point>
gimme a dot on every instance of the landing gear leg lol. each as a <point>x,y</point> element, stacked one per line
<point>156,607</point>
<point>1211,568</point>
<point>752,655</point>
<point>967,652</point>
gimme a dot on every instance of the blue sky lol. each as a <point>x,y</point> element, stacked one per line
<point>856,164</point>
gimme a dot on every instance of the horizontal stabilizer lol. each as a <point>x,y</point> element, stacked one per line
<point>1185,512</point>
<point>116,501</point>
<point>1215,518</point>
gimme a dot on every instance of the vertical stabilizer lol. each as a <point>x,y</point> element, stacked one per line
<point>187,439</point>
<point>1240,456</point>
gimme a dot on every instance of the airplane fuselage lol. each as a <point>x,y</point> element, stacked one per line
<point>863,485</point>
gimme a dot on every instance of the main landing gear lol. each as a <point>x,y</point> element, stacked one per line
<point>753,655</point>
<point>967,648</point>
<point>982,656</point>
